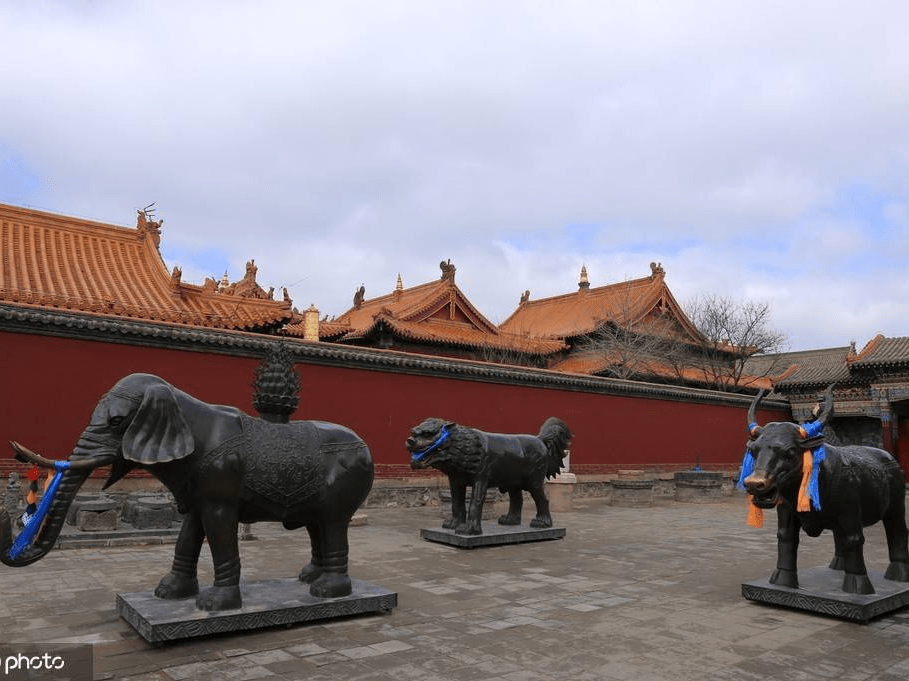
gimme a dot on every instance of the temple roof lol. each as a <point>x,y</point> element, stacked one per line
<point>881,352</point>
<point>436,312</point>
<point>56,261</point>
<point>805,368</point>
<point>813,369</point>
<point>583,312</point>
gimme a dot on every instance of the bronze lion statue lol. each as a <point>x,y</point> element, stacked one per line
<point>479,460</point>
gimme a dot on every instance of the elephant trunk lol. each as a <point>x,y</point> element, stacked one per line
<point>70,482</point>
<point>60,496</point>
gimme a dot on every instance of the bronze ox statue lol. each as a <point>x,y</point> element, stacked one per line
<point>817,486</point>
<point>223,467</point>
<point>479,460</point>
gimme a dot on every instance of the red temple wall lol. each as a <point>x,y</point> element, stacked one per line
<point>51,384</point>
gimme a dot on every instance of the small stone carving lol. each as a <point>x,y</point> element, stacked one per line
<point>13,494</point>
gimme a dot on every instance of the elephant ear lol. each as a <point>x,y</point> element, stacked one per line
<point>158,432</point>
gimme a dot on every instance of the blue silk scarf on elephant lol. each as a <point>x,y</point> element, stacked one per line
<point>30,531</point>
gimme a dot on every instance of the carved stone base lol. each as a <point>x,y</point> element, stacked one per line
<point>820,592</point>
<point>493,535</point>
<point>267,603</point>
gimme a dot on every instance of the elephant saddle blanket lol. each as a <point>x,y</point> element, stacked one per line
<point>285,463</point>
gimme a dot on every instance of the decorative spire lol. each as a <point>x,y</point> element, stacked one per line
<point>584,283</point>
<point>399,288</point>
<point>276,385</point>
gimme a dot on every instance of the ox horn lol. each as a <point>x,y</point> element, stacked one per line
<point>752,410</point>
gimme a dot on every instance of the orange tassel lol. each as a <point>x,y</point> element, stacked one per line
<point>807,464</point>
<point>755,515</point>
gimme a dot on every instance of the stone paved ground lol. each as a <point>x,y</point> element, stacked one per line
<point>650,593</point>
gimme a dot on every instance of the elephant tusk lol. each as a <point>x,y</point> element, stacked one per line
<point>25,455</point>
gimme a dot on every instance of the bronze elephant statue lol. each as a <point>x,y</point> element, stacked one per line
<point>223,468</point>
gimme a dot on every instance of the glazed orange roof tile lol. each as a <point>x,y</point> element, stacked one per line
<point>56,261</point>
<point>583,312</point>
<point>436,312</point>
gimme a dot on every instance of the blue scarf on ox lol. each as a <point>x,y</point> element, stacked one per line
<point>809,490</point>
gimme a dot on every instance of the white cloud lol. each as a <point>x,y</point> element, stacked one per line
<point>342,143</point>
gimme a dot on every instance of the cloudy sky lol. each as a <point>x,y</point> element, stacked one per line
<point>758,150</point>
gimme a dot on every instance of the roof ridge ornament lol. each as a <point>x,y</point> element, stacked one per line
<point>656,270</point>
<point>247,287</point>
<point>176,276</point>
<point>146,225</point>
<point>448,270</point>
<point>359,296</point>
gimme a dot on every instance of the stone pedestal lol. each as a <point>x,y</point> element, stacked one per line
<point>560,491</point>
<point>632,489</point>
<point>698,486</point>
<point>493,535</point>
<point>820,592</point>
<point>267,603</point>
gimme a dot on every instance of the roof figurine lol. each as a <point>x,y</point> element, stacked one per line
<point>431,318</point>
<point>146,225</point>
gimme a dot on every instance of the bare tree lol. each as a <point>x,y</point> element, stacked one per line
<point>509,354</point>
<point>630,346</point>
<point>732,332</point>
